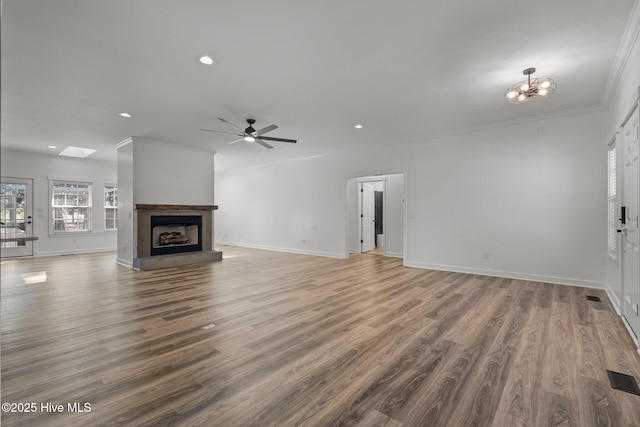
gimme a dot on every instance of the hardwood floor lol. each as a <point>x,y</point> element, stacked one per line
<point>273,339</point>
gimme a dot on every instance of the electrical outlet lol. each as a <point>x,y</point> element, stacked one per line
<point>485,255</point>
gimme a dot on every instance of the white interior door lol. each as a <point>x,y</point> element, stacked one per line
<point>368,217</point>
<point>16,216</point>
<point>630,234</point>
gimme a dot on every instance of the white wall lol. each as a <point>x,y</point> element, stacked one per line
<point>296,206</point>
<point>524,201</point>
<point>529,197</point>
<point>125,205</point>
<point>171,174</point>
<point>40,168</point>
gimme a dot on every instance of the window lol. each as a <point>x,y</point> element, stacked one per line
<point>70,206</point>
<point>110,207</point>
<point>613,221</point>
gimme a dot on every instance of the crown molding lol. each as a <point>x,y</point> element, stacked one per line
<point>133,139</point>
<point>123,142</point>
<point>629,39</point>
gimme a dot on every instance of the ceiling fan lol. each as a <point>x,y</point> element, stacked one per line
<point>252,135</point>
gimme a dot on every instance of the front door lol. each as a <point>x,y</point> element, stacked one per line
<point>16,216</point>
<point>630,235</point>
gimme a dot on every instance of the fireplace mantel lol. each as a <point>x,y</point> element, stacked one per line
<point>175,207</point>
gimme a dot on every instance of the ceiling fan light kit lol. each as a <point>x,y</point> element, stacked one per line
<point>249,134</point>
<point>528,90</point>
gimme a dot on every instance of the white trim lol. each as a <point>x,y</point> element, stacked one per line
<point>75,252</point>
<point>632,334</point>
<point>372,178</point>
<point>393,254</point>
<point>629,39</point>
<point>105,207</point>
<point>124,142</point>
<point>510,275</point>
<point>50,207</point>
<point>72,180</point>
<point>177,146</point>
<point>632,110</point>
<point>287,250</point>
<point>124,262</point>
<point>614,301</point>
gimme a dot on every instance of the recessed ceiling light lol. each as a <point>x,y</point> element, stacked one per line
<point>77,152</point>
<point>358,126</point>
<point>51,146</point>
<point>206,60</point>
<point>127,115</point>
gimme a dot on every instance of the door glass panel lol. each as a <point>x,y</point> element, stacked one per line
<point>12,212</point>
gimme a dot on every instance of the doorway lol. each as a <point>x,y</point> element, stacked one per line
<point>16,216</point>
<point>376,214</point>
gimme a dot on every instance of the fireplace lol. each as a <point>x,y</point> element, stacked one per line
<point>173,234</point>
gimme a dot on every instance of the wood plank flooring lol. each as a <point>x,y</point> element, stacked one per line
<point>273,339</point>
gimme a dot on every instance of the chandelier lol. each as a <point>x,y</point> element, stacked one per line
<point>528,90</point>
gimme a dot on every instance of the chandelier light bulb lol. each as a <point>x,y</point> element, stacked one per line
<point>529,89</point>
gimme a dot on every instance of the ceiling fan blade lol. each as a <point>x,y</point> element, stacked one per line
<point>237,140</point>
<point>293,141</point>
<point>220,131</point>
<point>264,144</point>
<point>265,130</point>
<point>232,125</point>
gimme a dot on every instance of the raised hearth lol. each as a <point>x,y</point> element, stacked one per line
<point>172,235</point>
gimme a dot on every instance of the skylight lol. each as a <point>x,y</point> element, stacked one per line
<point>77,152</point>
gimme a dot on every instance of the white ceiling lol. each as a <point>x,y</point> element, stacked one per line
<point>404,69</point>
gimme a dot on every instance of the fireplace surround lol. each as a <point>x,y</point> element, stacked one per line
<point>172,235</point>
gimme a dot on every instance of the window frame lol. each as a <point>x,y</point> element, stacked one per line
<point>110,208</point>
<point>53,183</point>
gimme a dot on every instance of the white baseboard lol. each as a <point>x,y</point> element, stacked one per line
<point>74,252</point>
<point>510,275</point>
<point>124,262</point>
<point>394,254</point>
<point>288,250</point>
<point>634,338</point>
<point>614,301</point>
